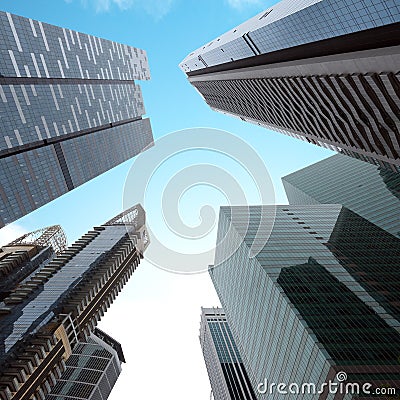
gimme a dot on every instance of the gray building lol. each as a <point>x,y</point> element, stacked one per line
<point>69,109</point>
<point>320,298</point>
<point>324,71</point>
<point>58,305</point>
<point>370,191</point>
<point>228,376</point>
<point>91,371</point>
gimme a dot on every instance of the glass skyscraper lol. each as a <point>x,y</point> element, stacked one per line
<point>370,191</point>
<point>324,71</point>
<point>228,376</point>
<point>57,306</point>
<point>319,299</point>
<point>69,109</point>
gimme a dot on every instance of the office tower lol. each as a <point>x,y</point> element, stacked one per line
<point>92,369</point>
<point>70,110</point>
<point>370,191</point>
<point>324,71</point>
<point>228,377</point>
<point>47,315</point>
<point>320,298</point>
<point>29,253</point>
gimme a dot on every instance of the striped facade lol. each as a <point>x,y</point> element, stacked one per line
<point>228,376</point>
<point>58,306</point>
<point>370,191</point>
<point>70,110</point>
<point>318,70</point>
<point>321,297</point>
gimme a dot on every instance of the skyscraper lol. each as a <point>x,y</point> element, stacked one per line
<point>69,110</point>
<point>324,71</point>
<point>228,376</point>
<point>370,191</point>
<point>92,369</point>
<point>44,318</point>
<point>27,254</point>
<point>320,298</point>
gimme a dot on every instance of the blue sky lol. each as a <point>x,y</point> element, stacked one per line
<point>163,353</point>
<point>168,31</point>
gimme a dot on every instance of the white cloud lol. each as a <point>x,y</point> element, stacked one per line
<point>10,232</point>
<point>156,8</point>
<point>105,5</point>
<point>240,4</point>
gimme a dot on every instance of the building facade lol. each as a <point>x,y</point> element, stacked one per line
<point>372,192</point>
<point>324,71</point>
<point>27,254</point>
<point>228,376</point>
<point>91,371</point>
<point>69,108</point>
<point>44,318</point>
<point>320,298</point>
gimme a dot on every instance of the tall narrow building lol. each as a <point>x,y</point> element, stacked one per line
<point>324,71</point>
<point>370,191</point>
<point>70,110</point>
<point>57,307</point>
<point>228,376</point>
<point>319,299</point>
